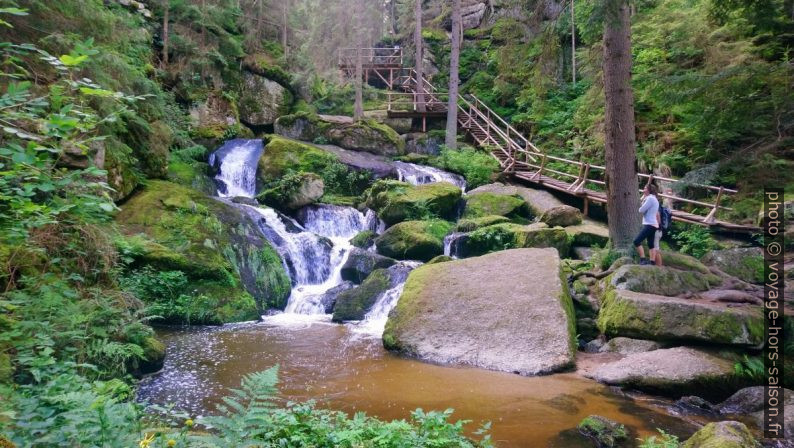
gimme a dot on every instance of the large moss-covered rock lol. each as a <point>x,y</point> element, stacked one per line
<point>471,224</point>
<point>153,356</point>
<point>361,263</point>
<point>214,243</point>
<point>674,371</point>
<point>414,240</point>
<point>659,280</point>
<point>589,233</point>
<point>399,201</point>
<point>604,433</point>
<point>282,155</point>
<point>362,135</point>
<point>489,204</point>
<point>646,316</point>
<point>746,263</point>
<point>506,311</point>
<point>509,236</point>
<point>750,401</point>
<point>539,201</point>
<point>120,164</point>
<point>727,434</point>
<point>563,215</point>
<point>214,117</point>
<point>364,239</point>
<point>262,100</point>
<point>294,191</point>
<point>683,262</point>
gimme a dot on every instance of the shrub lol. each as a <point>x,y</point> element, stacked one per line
<point>692,239</point>
<point>476,166</point>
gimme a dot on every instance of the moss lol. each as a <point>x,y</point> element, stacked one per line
<point>354,303</point>
<point>685,262</point>
<point>615,315</point>
<point>282,155</point>
<point>440,259</point>
<point>407,307</point>
<point>727,434</point>
<point>153,355</point>
<point>121,166</point>
<point>434,35</point>
<point>398,201</point>
<point>510,236</point>
<point>604,432</point>
<point>6,368</point>
<point>173,228</point>
<point>414,240</point>
<point>364,239</point>
<point>471,224</point>
<point>155,162</point>
<point>486,204</point>
<point>507,30</point>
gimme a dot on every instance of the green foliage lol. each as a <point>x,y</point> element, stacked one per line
<point>692,239</point>
<point>475,165</point>
<point>163,292</point>
<point>751,368</point>
<point>664,440</point>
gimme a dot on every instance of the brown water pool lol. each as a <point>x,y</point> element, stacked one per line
<point>343,370</point>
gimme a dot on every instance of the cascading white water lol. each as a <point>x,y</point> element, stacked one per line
<point>452,243</point>
<point>374,321</point>
<point>421,174</point>
<point>236,162</point>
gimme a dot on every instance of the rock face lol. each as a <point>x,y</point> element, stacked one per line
<point>507,236</point>
<point>353,304</point>
<point>727,434</point>
<point>659,280</point>
<point>399,201</point>
<point>507,311</point>
<point>364,135</point>
<point>361,263</point>
<point>413,240</point>
<point>421,143</point>
<point>262,100</point>
<point>216,245</point>
<point>212,118</point>
<point>750,401</point>
<point>588,233</point>
<point>746,263</point>
<point>490,204</point>
<point>379,166</point>
<point>563,215</point>
<point>658,318</point>
<point>282,155</point>
<point>628,346</point>
<point>672,371</point>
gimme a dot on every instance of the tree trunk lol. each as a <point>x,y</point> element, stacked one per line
<point>420,82</point>
<point>166,13</point>
<point>285,29</point>
<point>454,59</point>
<point>573,43</point>
<point>620,153</point>
<point>358,108</point>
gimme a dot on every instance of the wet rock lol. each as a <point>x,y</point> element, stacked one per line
<point>659,280</point>
<point>153,356</point>
<point>604,433</point>
<point>692,404</point>
<point>628,346</point>
<point>658,318</point>
<point>475,312</point>
<point>307,189</point>
<point>745,263</point>
<point>750,400</point>
<point>361,263</point>
<point>586,328</point>
<point>245,200</point>
<point>328,300</point>
<point>672,371</point>
<point>364,239</point>
<point>594,346</point>
<point>727,434</point>
<point>354,303</point>
<point>563,215</point>
<point>413,240</point>
<point>421,143</point>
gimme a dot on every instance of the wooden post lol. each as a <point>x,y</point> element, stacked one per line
<point>538,174</point>
<point>711,218</point>
<point>586,207</point>
<point>575,183</point>
<point>584,178</point>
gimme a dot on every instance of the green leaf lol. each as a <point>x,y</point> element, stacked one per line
<point>72,61</point>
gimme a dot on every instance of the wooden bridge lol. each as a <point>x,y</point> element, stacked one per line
<point>516,154</point>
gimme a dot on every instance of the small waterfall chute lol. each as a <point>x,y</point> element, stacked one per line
<point>421,174</point>
<point>236,161</point>
<point>374,321</point>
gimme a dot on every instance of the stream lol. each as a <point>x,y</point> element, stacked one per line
<point>345,367</point>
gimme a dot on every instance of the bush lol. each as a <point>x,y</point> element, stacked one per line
<point>693,239</point>
<point>476,166</point>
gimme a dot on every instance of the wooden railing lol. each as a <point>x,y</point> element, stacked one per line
<point>518,156</point>
<point>371,56</point>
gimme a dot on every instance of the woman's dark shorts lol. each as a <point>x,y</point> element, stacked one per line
<point>647,233</point>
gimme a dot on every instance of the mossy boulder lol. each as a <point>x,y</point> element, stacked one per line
<point>627,346</point>
<point>153,356</point>
<point>511,236</point>
<point>604,433</point>
<point>214,243</point>
<point>361,263</point>
<point>539,201</point>
<point>683,262</point>
<point>727,434</point>
<point>562,215</point>
<point>363,135</point>
<point>674,372</point>
<point>399,201</point>
<point>282,155</point>
<point>414,240</point>
<point>589,233</point>
<point>121,166</point>
<point>214,118</point>
<point>354,303</point>
<point>489,204</point>
<point>660,280</point>
<point>476,312</point>
<point>646,316</point>
<point>440,259</point>
<point>364,239</point>
<point>294,191</point>
<point>745,263</point>
<point>262,100</point>
<point>471,224</point>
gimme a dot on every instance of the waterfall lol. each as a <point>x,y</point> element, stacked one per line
<point>314,249</point>
<point>236,161</point>
<point>452,243</point>
<point>374,321</point>
<point>421,174</point>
